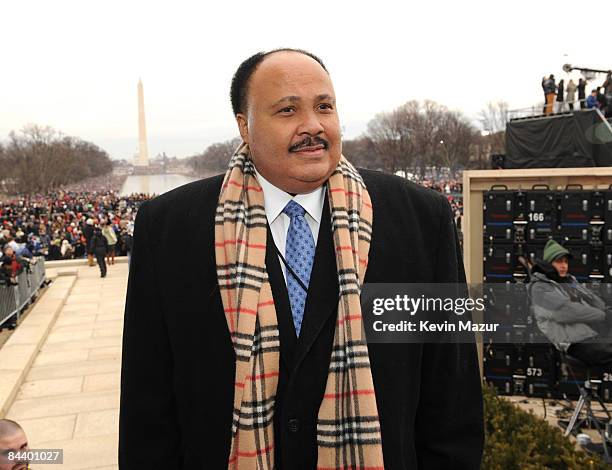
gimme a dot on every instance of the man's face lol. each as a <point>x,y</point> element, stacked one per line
<point>291,123</point>
<point>561,265</point>
<point>14,442</point>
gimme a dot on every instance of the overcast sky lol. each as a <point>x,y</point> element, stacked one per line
<point>74,65</point>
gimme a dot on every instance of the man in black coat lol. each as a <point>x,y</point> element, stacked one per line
<point>99,247</point>
<point>178,368</point>
<point>88,231</point>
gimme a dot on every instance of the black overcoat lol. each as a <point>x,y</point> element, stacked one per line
<point>178,362</point>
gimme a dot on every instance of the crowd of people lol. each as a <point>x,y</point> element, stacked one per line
<point>91,220</point>
<point>560,97</point>
<point>453,190</point>
<point>96,223</point>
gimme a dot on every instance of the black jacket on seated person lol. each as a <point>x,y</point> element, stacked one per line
<point>177,377</point>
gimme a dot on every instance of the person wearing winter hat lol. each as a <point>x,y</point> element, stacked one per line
<point>88,231</point>
<point>571,316</point>
<point>558,256</point>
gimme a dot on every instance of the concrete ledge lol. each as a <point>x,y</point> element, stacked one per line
<point>19,352</point>
<point>54,273</point>
<point>72,263</point>
<point>67,272</point>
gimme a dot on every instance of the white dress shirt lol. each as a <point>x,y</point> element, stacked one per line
<point>275,200</point>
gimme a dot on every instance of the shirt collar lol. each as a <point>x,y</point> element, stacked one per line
<point>275,200</point>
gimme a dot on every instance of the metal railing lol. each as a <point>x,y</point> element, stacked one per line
<point>539,110</point>
<point>14,298</point>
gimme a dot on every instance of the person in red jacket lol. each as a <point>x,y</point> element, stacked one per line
<point>11,265</point>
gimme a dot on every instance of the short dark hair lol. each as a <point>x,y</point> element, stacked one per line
<point>8,427</point>
<point>240,81</point>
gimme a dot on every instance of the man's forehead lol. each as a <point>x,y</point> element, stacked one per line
<point>294,58</point>
<point>283,71</point>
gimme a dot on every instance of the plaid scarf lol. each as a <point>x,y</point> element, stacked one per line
<point>348,429</point>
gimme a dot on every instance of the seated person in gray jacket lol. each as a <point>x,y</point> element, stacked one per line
<point>572,317</point>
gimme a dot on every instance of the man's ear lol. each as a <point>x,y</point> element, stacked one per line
<point>243,126</point>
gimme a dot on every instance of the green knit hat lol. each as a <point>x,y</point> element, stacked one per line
<point>552,251</point>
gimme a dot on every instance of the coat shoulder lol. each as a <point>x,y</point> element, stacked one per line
<point>182,201</point>
<point>540,285</point>
<point>395,192</point>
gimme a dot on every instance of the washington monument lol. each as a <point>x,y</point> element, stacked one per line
<point>143,150</point>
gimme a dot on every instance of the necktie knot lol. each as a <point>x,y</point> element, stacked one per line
<point>293,209</point>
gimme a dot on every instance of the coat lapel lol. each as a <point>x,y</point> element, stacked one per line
<point>284,318</point>
<point>323,290</point>
<point>321,301</point>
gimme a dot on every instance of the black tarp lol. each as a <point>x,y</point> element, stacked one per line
<point>564,141</point>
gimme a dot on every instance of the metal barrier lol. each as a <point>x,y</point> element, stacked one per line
<point>14,298</point>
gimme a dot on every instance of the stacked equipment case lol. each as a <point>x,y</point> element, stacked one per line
<point>518,223</point>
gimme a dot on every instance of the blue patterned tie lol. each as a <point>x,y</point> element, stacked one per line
<point>299,254</point>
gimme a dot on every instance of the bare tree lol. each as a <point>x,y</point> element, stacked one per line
<point>456,138</point>
<point>361,152</point>
<point>421,136</point>
<point>383,132</point>
<point>215,158</point>
<point>493,119</point>
<point>429,120</point>
<point>38,159</point>
<point>393,136</point>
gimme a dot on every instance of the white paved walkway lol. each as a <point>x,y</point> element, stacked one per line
<point>70,397</point>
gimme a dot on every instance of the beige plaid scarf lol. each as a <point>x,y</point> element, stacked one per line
<point>348,429</point>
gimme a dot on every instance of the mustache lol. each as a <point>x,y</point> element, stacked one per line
<point>309,142</point>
